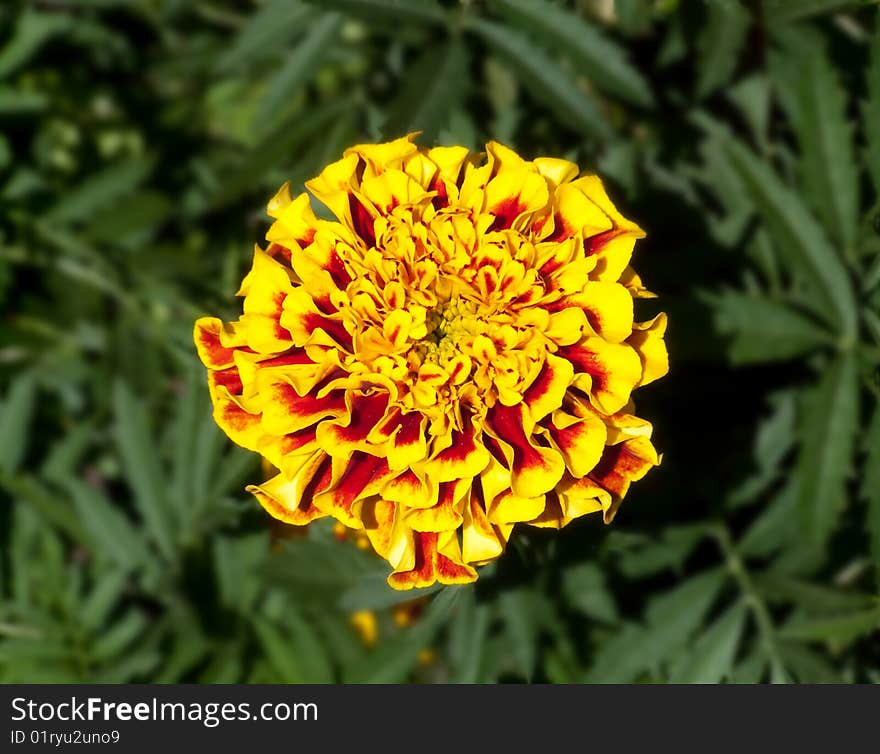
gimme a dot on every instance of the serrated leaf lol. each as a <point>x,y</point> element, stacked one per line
<point>433,86</point>
<point>672,617</point>
<point>548,82</point>
<point>111,532</point>
<point>824,463</point>
<point>800,238</point>
<point>297,68</point>
<point>828,161</point>
<point>604,61</point>
<point>720,43</point>
<point>761,329</point>
<point>98,191</point>
<point>711,659</point>
<point>16,413</point>
<point>143,468</point>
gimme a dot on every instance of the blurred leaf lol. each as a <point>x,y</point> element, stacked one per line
<point>432,87</point>
<point>99,191</point>
<point>672,617</point>
<point>394,659</point>
<point>585,590</point>
<point>143,468</point>
<point>711,659</point>
<point>519,610</point>
<point>808,666</point>
<point>669,550</point>
<point>388,11</point>
<point>468,633</point>
<point>601,59</point>
<point>266,32</point>
<point>811,597</point>
<point>842,628</point>
<point>783,11</point>
<point>800,238</point>
<point>545,79</point>
<point>871,112</point>
<point>831,176</point>
<point>870,489</point>
<point>762,329</point>
<point>371,592</point>
<point>720,43</point>
<point>16,414</point>
<point>32,30</point>
<point>111,532</point>
<point>298,66</point>
<point>828,436</point>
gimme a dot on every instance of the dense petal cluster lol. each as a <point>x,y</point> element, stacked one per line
<point>454,355</point>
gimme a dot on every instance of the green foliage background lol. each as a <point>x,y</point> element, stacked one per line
<point>140,141</point>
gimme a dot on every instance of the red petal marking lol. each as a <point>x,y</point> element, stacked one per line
<point>295,440</point>
<point>442,199</point>
<point>410,430</point>
<point>561,230</point>
<point>230,379</point>
<point>361,469</point>
<point>217,355</point>
<point>237,419</point>
<point>495,449</point>
<point>594,244</point>
<point>463,444</point>
<point>282,333</point>
<point>430,566</point>
<point>506,421</point>
<point>362,221</point>
<point>332,327</point>
<point>294,357</point>
<point>320,480</point>
<point>587,362</point>
<point>308,406</point>
<point>506,211</point>
<point>542,384</point>
<point>279,253</point>
<point>337,270</point>
<point>366,412</point>
<point>617,468</point>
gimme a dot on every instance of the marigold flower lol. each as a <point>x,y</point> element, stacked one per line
<point>452,356</point>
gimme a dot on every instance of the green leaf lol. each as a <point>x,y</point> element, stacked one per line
<point>432,87</point>
<point>546,80</point>
<point>828,430</point>
<point>373,593</point>
<point>266,32</point>
<point>830,172</point>
<point>672,618</point>
<point>711,659</point>
<point>142,466</point>
<point>584,587</point>
<point>779,12</point>
<point>468,631</point>
<point>384,12</point>
<point>110,531</point>
<point>814,598</point>
<point>16,414</point>
<point>392,661</point>
<point>32,31</point>
<point>800,238</point>
<point>842,629</point>
<point>297,68</point>
<point>720,44</point>
<point>100,190</point>
<point>520,613</point>
<point>762,329</point>
<point>599,58</point>
<point>871,112</point>
<point>870,489</point>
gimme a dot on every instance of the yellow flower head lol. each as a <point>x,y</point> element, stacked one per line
<point>452,356</point>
